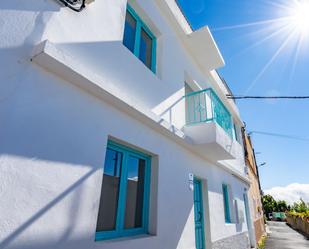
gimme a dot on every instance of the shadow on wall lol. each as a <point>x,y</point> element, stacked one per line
<point>46,118</point>
<point>29,23</point>
<point>73,188</point>
<point>173,113</point>
<point>16,55</point>
<point>123,73</point>
<point>40,108</point>
<point>15,64</point>
<point>50,120</point>
<point>239,227</point>
<point>31,5</point>
<point>64,243</point>
<point>122,70</point>
<point>53,120</point>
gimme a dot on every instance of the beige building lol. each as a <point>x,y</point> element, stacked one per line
<point>255,188</point>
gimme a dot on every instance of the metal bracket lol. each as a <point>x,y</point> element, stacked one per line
<point>76,5</point>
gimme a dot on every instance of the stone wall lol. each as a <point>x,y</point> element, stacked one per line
<point>239,241</point>
<point>298,223</point>
<point>259,228</point>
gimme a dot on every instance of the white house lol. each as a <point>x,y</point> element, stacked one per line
<point>115,130</point>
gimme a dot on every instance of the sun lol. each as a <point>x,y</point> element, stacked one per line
<point>299,15</point>
<point>287,28</point>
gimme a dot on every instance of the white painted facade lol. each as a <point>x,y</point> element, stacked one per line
<point>67,85</point>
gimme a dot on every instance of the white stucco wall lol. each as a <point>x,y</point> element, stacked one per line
<point>53,134</point>
<point>54,163</point>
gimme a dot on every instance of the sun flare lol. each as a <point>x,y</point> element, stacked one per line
<point>300,17</point>
<point>288,29</point>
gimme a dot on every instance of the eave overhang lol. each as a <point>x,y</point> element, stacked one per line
<point>199,43</point>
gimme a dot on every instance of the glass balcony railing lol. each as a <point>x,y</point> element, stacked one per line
<point>205,106</point>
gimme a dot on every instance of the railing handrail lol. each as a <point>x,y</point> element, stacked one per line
<point>200,91</point>
<point>227,117</point>
<point>206,90</point>
<point>221,102</point>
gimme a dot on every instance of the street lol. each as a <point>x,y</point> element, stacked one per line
<point>283,237</point>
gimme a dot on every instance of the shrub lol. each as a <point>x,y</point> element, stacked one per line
<point>303,215</point>
<point>261,243</point>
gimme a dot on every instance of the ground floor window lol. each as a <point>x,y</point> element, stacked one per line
<point>226,202</point>
<point>124,201</point>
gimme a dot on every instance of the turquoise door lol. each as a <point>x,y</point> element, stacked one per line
<point>198,215</point>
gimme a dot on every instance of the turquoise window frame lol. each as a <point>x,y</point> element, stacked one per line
<point>139,26</point>
<point>120,231</point>
<point>226,202</point>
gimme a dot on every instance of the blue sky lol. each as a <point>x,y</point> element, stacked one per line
<point>270,67</point>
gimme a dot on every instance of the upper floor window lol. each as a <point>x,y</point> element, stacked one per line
<point>123,209</point>
<point>139,39</point>
<point>237,133</point>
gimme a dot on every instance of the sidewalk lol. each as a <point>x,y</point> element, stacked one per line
<point>281,236</point>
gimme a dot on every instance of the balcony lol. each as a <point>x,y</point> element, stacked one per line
<point>209,124</point>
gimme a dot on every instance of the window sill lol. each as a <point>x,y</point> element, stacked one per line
<point>154,72</point>
<point>125,238</point>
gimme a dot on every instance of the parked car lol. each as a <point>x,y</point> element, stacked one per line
<point>278,216</point>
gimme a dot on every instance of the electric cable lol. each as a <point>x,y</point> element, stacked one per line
<point>280,135</point>
<point>229,96</point>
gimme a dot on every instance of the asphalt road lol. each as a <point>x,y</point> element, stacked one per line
<point>283,237</point>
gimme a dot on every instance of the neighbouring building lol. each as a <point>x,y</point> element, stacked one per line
<point>115,130</point>
<point>255,192</point>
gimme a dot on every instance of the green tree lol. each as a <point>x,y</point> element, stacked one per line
<point>269,204</point>
<point>282,206</point>
<point>300,206</point>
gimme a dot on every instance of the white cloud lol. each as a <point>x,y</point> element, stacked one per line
<point>291,193</point>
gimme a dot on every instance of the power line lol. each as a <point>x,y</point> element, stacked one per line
<point>229,96</point>
<point>280,135</point>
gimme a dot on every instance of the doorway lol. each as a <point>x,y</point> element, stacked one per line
<point>199,215</point>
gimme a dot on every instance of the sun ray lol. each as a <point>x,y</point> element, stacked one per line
<point>298,47</point>
<point>246,25</point>
<point>265,30</point>
<point>268,37</point>
<point>284,6</point>
<point>270,62</point>
<point>291,24</point>
<point>261,41</point>
<point>294,63</point>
